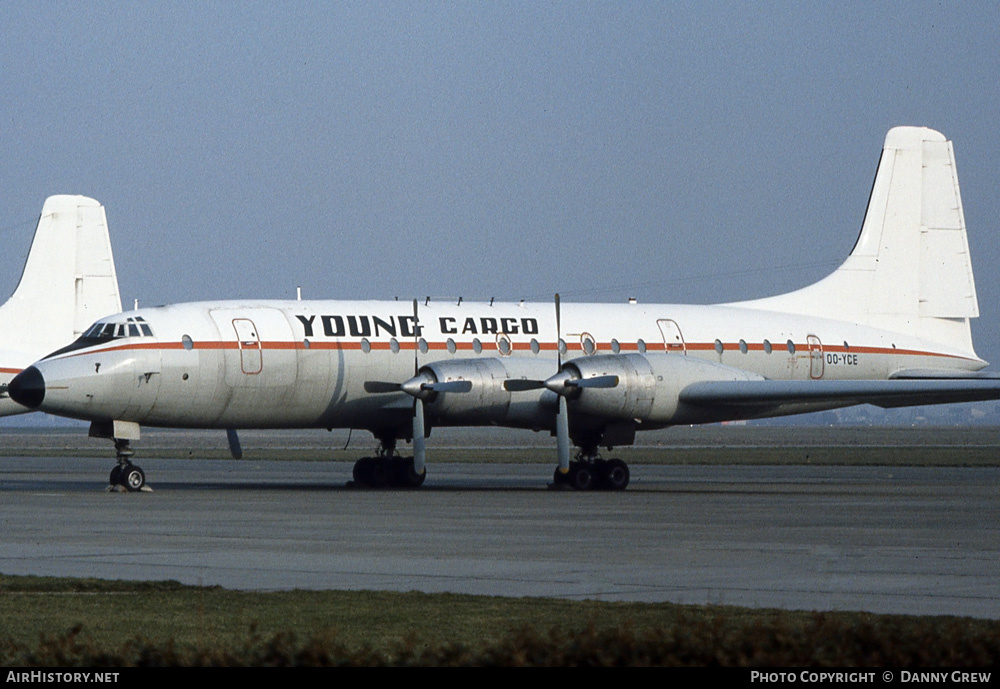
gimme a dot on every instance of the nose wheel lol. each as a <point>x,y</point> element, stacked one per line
<point>126,476</point>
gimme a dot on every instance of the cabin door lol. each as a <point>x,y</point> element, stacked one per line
<point>673,340</point>
<point>815,357</point>
<point>248,341</point>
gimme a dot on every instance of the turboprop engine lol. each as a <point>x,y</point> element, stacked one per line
<point>487,401</point>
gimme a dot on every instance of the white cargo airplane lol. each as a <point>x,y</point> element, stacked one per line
<point>68,281</point>
<point>889,327</point>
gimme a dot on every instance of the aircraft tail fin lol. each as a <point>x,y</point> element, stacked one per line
<point>910,270</point>
<point>68,282</point>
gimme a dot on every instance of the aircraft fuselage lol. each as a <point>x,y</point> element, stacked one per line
<point>300,364</point>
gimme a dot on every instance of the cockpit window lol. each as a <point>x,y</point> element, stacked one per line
<point>131,327</point>
<point>101,332</point>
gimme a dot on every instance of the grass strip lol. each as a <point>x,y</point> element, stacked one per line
<point>86,622</point>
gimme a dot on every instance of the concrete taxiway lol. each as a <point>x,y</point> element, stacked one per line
<point>892,540</point>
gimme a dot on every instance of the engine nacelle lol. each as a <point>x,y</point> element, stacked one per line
<point>488,403</point>
<point>648,388</point>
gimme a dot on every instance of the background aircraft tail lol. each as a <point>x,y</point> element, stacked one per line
<point>910,270</point>
<point>68,282</point>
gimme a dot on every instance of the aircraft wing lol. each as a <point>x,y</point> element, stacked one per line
<point>898,392</point>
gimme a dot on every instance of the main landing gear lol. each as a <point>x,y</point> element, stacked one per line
<point>387,469</point>
<point>126,476</point>
<point>591,472</point>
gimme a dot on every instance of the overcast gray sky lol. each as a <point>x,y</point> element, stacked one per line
<point>674,152</point>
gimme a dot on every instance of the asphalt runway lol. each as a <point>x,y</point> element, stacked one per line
<point>890,540</point>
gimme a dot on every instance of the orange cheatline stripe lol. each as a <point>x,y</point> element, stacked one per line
<point>489,345</point>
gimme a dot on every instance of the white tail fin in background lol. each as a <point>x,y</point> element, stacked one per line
<point>68,282</point>
<point>910,270</point>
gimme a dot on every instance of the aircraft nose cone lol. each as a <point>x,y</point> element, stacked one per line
<point>28,388</point>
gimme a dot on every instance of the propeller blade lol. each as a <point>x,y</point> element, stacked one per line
<point>416,340</point>
<point>558,336</point>
<point>450,386</point>
<point>522,385</point>
<point>419,444</point>
<point>416,386</point>
<point>562,415</point>
<point>425,382</point>
<point>235,449</point>
<point>562,435</point>
<point>381,386</point>
<point>595,382</point>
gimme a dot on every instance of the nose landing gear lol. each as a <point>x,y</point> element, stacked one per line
<point>126,476</point>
